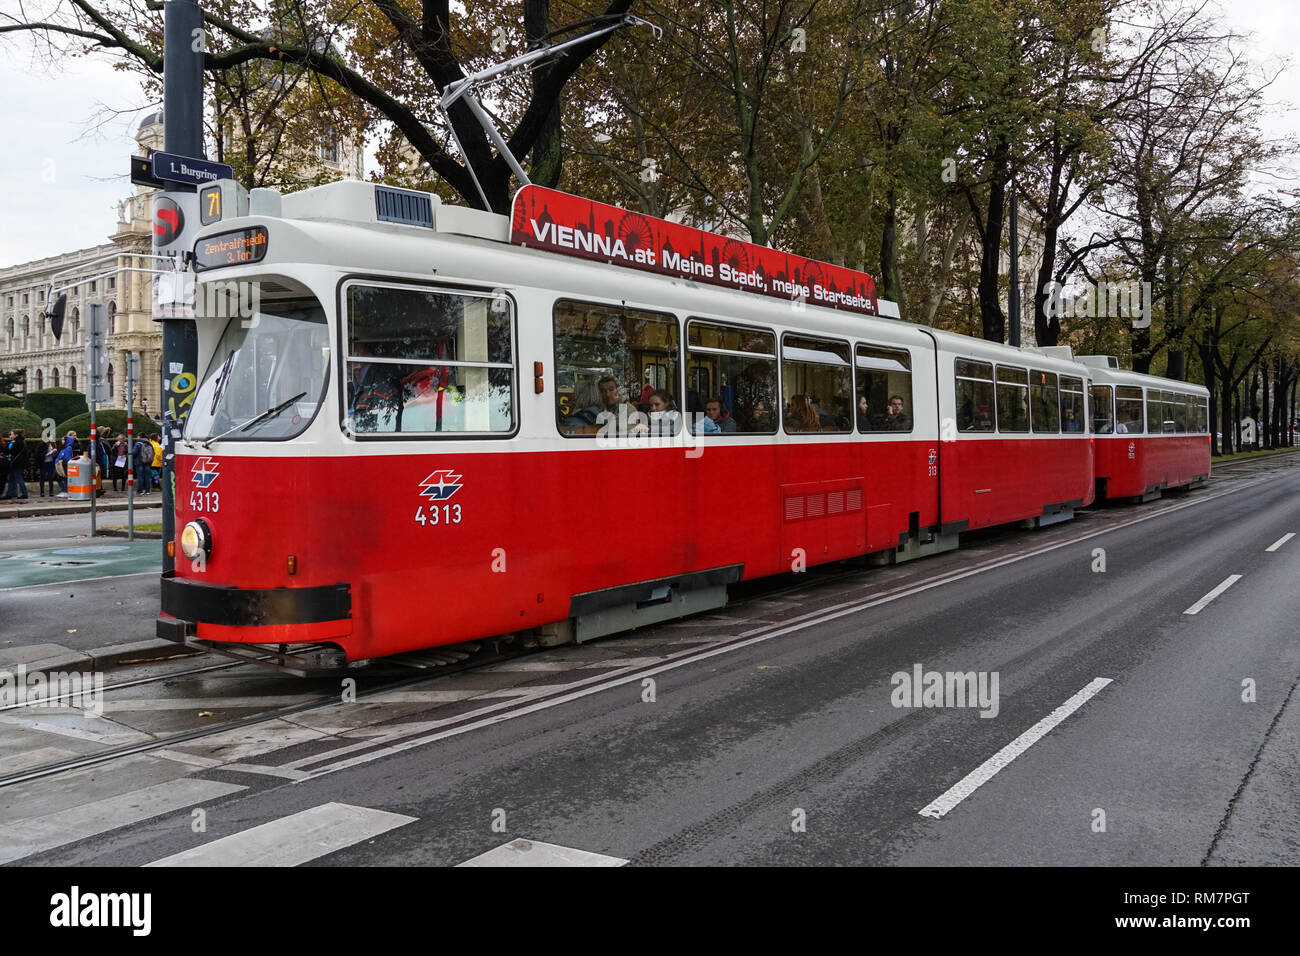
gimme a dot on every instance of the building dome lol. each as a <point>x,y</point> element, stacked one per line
<point>151,119</point>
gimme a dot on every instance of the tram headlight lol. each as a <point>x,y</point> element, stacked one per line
<point>196,540</point>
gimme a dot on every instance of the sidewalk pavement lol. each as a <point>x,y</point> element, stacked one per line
<point>37,505</point>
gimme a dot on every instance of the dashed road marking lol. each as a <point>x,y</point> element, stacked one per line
<point>1280,541</point>
<point>985,772</point>
<point>1226,583</point>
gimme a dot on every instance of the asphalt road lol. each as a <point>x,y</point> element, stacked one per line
<point>784,745</point>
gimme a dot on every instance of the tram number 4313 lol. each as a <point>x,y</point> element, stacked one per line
<point>205,501</point>
<point>450,514</point>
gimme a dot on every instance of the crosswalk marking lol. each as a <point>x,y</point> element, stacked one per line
<point>36,834</point>
<point>534,853</point>
<point>292,840</point>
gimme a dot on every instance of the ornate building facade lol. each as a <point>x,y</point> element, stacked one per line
<point>26,342</point>
<point>106,274</point>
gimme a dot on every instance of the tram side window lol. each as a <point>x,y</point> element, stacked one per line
<point>1182,413</point>
<point>1169,401</point>
<point>1202,415</point>
<point>974,396</point>
<point>884,389</point>
<point>1128,410</point>
<point>1074,415</point>
<point>1155,412</point>
<point>1044,403</point>
<point>614,369</point>
<point>1103,411</point>
<point>426,361</point>
<point>734,367</point>
<point>1013,399</point>
<point>817,384</point>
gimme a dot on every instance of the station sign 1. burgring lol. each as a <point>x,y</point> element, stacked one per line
<point>559,222</point>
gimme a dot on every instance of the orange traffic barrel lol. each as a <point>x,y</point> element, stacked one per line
<point>81,479</point>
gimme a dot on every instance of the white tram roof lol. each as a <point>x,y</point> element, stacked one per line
<point>340,224</point>
<point>1105,373</point>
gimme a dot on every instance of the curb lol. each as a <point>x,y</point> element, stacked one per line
<point>1279,453</point>
<point>76,508</point>
<point>122,533</point>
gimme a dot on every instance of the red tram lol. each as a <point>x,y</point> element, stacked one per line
<point>421,424</point>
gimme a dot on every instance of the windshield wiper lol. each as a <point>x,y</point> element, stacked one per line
<point>266,416</point>
<point>222,374</point>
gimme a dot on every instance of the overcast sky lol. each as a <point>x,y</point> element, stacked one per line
<point>61,177</point>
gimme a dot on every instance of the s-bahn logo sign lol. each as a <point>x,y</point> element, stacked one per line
<point>440,485</point>
<point>204,472</point>
<point>558,222</point>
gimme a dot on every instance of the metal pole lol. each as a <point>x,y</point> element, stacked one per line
<point>130,447</point>
<point>94,463</point>
<point>1013,291</point>
<point>182,134</point>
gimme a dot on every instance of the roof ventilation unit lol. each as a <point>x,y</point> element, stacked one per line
<point>403,206</point>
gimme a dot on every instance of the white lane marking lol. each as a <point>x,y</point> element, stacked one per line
<point>1226,583</point>
<point>292,840</point>
<point>1280,541</point>
<point>36,834</point>
<point>985,772</point>
<point>532,853</point>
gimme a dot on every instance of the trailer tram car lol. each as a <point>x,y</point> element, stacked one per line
<point>1152,433</point>
<point>437,426</point>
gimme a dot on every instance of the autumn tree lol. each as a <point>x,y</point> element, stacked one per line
<point>397,57</point>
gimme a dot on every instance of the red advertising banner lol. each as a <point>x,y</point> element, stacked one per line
<point>558,222</point>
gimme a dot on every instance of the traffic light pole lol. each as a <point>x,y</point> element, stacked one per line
<point>132,376</point>
<point>173,236</point>
<point>96,389</point>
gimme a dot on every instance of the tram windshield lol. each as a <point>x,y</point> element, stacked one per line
<point>278,359</point>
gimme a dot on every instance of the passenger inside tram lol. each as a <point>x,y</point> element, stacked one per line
<point>800,416</point>
<point>714,411</point>
<point>896,419</point>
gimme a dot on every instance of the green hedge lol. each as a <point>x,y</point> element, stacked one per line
<point>114,418</point>
<point>19,418</point>
<point>8,401</point>
<point>57,403</point>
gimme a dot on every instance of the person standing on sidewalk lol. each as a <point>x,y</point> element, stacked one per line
<point>143,452</point>
<point>99,454</point>
<point>156,463</point>
<point>16,488</point>
<point>65,455</point>
<point>119,453</point>
<point>48,476</point>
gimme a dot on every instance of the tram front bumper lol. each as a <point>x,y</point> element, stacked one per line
<point>186,604</point>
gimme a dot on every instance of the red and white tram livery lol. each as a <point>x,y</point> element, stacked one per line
<point>420,424</point>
